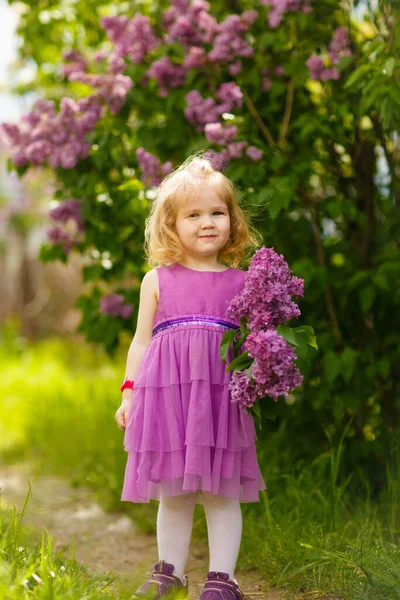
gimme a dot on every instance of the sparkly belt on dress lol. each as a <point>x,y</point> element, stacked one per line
<point>215,321</point>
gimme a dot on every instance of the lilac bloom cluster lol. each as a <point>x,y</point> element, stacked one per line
<point>200,111</point>
<point>132,38</point>
<point>280,7</point>
<point>339,46</point>
<point>167,74</point>
<point>66,212</point>
<point>69,209</point>
<point>190,24</point>
<point>265,301</point>
<point>273,369</point>
<point>229,43</point>
<point>58,138</point>
<point>113,304</point>
<point>205,114</point>
<point>153,172</point>
<point>266,296</point>
<point>58,235</point>
<point>75,61</point>
<point>243,392</point>
<point>112,89</point>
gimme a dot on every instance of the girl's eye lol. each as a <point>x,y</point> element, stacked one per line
<point>216,211</point>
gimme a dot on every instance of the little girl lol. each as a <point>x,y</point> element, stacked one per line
<point>187,443</point>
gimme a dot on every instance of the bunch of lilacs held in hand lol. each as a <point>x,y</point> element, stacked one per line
<point>69,234</point>
<point>265,302</point>
<point>339,46</point>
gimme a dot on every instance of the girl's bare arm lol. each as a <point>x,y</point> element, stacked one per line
<point>147,309</point>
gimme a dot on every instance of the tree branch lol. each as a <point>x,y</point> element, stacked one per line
<point>258,119</point>
<point>321,260</point>
<point>288,112</point>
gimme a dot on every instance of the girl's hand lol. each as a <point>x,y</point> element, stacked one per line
<point>121,416</point>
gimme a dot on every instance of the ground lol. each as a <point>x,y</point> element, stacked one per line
<point>104,541</point>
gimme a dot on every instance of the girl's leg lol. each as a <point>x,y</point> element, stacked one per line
<point>224,524</point>
<point>174,529</point>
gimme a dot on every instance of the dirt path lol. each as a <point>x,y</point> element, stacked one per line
<point>105,542</point>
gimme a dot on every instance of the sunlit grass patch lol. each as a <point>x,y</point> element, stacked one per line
<point>38,572</point>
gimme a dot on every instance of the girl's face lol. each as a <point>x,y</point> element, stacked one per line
<point>203,224</point>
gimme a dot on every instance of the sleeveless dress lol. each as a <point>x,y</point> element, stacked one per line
<point>183,432</point>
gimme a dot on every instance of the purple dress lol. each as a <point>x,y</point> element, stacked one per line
<point>183,432</point>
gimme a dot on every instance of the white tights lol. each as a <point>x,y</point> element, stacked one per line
<point>224,525</point>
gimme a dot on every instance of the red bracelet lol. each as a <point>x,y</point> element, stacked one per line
<point>127,383</point>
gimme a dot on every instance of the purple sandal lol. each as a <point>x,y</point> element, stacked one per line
<point>218,586</point>
<point>163,584</point>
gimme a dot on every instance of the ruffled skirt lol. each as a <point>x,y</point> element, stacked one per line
<point>183,432</point>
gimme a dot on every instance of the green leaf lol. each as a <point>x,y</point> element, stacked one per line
<point>389,65</point>
<point>348,363</point>
<point>332,365</point>
<point>383,367</point>
<point>357,75</point>
<point>226,341</point>
<point>133,185</point>
<point>305,337</point>
<point>287,334</point>
<point>270,408</point>
<point>243,325</point>
<point>240,362</point>
<point>366,296</point>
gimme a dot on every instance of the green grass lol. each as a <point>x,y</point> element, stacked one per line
<point>39,573</point>
<point>310,533</point>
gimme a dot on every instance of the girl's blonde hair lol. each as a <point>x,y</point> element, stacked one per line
<point>162,244</point>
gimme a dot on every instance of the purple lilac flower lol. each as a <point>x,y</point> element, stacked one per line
<point>280,7</point>
<point>113,89</point>
<point>254,153</point>
<point>338,48</point>
<point>218,134</point>
<point>69,209</point>
<point>228,44</point>
<point>235,68</point>
<point>219,160</point>
<point>132,38</point>
<point>195,58</point>
<point>75,62</point>
<point>243,392</point>
<point>153,172</point>
<point>113,304</point>
<point>58,138</point>
<point>265,299</point>
<point>58,235</point>
<point>230,94</point>
<point>236,149</point>
<point>189,23</point>
<point>316,66</point>
<point>339,45</point>
<point>273,369</point>
<point>167,74</point>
